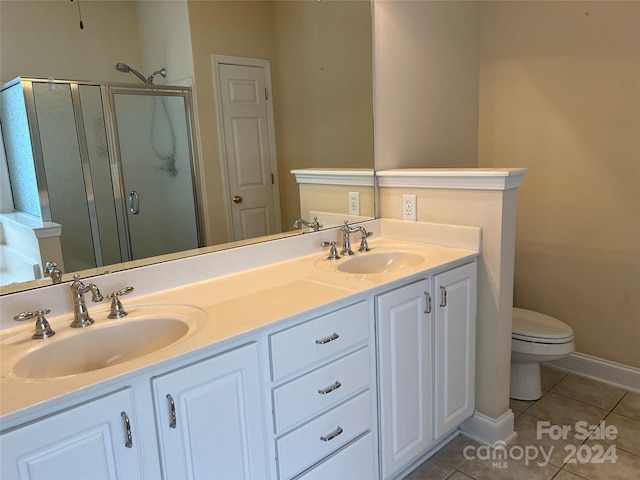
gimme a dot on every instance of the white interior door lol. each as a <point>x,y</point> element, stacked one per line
<point>248,141</point>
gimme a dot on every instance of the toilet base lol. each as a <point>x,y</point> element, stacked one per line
<point>525,381</point>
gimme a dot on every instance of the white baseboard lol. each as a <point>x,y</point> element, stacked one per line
<point>487,430</point>
<point>604,371</point>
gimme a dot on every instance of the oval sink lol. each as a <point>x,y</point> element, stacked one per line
<point>380,262</point>
<point>100,347</point>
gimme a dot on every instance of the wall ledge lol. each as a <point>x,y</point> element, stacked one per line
<point>30,225</point>
<point>452,178</point>
<point>333,176</point>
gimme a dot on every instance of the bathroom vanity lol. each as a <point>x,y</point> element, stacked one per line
<point>304,368</point>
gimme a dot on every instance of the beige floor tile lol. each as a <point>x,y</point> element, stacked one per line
<point>549,377</point>
<point>628,437</point>
<point>625,467</point>
<point>549,446</point>
<point>432,469</point>
<point>453,453</point>
<point>519,405</point>
<point>459,476</point>
<point>589,391</point>
<point>508,469</point>
<point>561,410</point>
<point>564,475</point>
<point>629,406</point>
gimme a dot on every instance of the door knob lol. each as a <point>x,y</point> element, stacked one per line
<point>237,199</point>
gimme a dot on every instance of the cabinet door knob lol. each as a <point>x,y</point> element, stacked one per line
<point>443,297</point>
<point>172,412</point>
<point>427,298</point>
<point>127,427</point>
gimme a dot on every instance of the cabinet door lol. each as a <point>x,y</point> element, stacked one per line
<point>209,418</point>
<point>404,356</point>
<point>88,441</point>
<point>454,346</point>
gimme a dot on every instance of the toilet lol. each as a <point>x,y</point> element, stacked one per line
<point>535,338</point>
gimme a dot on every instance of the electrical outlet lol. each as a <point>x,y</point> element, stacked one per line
<point>354,203</point>
<point>409,207</point>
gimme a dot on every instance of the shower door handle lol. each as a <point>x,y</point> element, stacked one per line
<point>134,202</point>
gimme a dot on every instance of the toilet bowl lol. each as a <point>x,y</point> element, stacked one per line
<point>535,338</point>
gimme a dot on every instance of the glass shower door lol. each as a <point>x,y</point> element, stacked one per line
<point>155,154</point>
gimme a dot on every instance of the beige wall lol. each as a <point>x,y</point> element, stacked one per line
<point>426,83</point>
<point>334,199</point>
<point>559,94</point>
<point>236,28</point>
<point>44,39</point>
<point>165,39</point>
<point>322,91</point>
<point>315,49</point>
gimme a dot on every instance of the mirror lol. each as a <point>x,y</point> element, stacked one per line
<point>321,74</point>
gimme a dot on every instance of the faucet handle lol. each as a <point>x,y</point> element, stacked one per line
<point>43,329</point>
<point>364,246</point>
<point>333,251</point>
<point>117,310</point>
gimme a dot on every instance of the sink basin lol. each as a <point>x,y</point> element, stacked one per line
<point>380,262</point>
<point>101,346</point>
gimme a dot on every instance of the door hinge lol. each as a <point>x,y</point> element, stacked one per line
<point>266,93</point>
<point>273,182</point>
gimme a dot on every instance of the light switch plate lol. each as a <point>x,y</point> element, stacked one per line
<point>354,203</point>
<point>409,207</point>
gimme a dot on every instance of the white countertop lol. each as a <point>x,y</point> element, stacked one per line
<point>237,306</point>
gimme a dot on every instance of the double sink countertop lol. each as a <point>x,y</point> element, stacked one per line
<point>221,311</point>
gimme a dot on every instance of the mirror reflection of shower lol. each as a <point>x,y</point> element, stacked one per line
<point>124,68</point>
<point>168,158</point>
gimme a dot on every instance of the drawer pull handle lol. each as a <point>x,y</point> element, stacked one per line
<point>127,427</point>
<point>335,386</point>
<point>332,435</point>
<point>172,411</point>
<point>330,338</point>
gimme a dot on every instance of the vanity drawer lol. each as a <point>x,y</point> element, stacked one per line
<point>308,395</point>
<point>299,347</point>
<point>355,461</point>
<point>319,438</point>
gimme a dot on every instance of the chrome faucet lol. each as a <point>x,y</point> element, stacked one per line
<point>51,270</point>
<point>81,316</point>
<point>346,239</point>
<point>301,221</point>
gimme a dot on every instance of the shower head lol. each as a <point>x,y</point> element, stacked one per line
<point>124,68</point>
<point>162,71</point>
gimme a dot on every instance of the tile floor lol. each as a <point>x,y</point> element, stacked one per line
<point>545,451</point>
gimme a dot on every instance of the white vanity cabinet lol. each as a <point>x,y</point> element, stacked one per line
<point>404,328</point>
<point>209,418</point>
<point>426,358</point>
<point>454,347</point>
<point>323,403</point>
<point>96,439</point>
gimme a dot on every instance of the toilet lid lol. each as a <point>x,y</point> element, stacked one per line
<point>534,326</point>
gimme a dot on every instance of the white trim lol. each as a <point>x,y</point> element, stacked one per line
<point>453,178</point>
<point>599,369</point>
<point>31,225</point>
<point>487,430</point>
<point>362,177</point>
<point>266,65</point>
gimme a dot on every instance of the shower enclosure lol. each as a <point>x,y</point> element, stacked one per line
<point>114,165</point>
